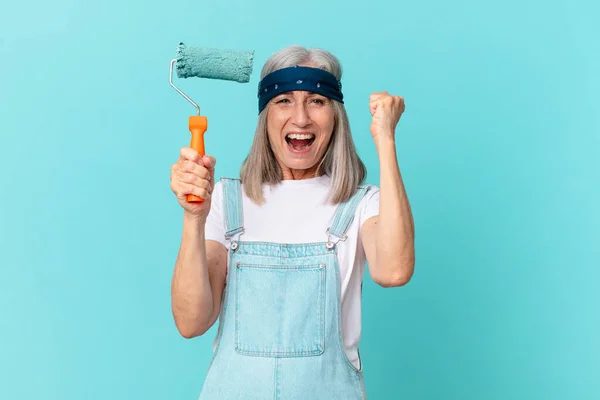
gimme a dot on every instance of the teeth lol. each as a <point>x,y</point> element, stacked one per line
<point>299,136</point>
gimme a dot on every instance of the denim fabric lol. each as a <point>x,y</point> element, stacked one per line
<point>280,334</point>
<point>232,205</point>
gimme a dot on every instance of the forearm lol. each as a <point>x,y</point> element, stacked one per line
<point>191,297</point>
<point>395,255</point>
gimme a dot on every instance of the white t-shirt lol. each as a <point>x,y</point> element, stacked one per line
<point>297,211</point>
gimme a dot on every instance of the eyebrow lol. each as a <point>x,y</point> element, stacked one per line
<point>290,94</point>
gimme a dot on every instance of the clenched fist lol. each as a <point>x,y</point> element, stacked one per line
<point>193,174</point>
<point>386,111</point>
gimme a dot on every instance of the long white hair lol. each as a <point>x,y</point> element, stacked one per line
<point>340,161</point>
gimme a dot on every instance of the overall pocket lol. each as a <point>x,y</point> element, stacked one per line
<point>280,310</point>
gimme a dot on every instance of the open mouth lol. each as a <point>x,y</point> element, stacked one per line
<point>300,142</point>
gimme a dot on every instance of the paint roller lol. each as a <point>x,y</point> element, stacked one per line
<point>211,63</point>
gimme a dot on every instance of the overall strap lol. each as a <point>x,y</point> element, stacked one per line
<point>344,216</point>
<point>232,207</point>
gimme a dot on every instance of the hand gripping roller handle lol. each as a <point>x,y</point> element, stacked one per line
<point>197,125</point>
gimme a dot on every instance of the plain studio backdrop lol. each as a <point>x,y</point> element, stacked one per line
<point>498,147</point>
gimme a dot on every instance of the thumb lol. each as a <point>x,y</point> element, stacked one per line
<point>209,163</point>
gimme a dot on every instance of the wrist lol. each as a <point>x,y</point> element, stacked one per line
<point>385,141</point>
<point>194,220</point>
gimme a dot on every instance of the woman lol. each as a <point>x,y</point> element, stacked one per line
<point>279,254</point>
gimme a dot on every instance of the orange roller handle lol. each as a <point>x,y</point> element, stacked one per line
<point>197,125</point>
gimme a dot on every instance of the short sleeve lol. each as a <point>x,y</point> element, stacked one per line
<point>215,223</point>
<point>370,206</point>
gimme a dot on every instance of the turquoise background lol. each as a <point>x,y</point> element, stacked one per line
<point>499,148</point>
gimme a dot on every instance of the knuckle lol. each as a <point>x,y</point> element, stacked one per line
<point>184,177</point>
<point>190,177</point>
<point>190,154</point>
<point>194,155</point>
<point>186,166</point>
<point>201,183</point>
<point>204,173</point>
<point>203,193</point>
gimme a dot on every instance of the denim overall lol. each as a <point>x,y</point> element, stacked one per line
<point>280,334</point>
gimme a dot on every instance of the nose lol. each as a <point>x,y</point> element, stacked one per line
<point>300,115</point>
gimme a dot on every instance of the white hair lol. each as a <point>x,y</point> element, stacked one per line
<point>340,161</point>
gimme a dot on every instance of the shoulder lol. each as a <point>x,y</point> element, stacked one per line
<point>371,193</point>
<point>369,205</point>
<point>369,186</point>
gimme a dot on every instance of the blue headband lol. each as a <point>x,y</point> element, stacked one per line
<point>314,80</point>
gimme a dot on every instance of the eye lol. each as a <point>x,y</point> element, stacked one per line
<point>318,101</point>
<point>282,100</point>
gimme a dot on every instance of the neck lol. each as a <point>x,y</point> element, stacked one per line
<point>298,174</point>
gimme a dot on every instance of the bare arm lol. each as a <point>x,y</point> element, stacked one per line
<point>388,238</point>
<point>198,280</point>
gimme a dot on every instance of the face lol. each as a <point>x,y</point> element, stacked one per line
<point>300,125</point>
